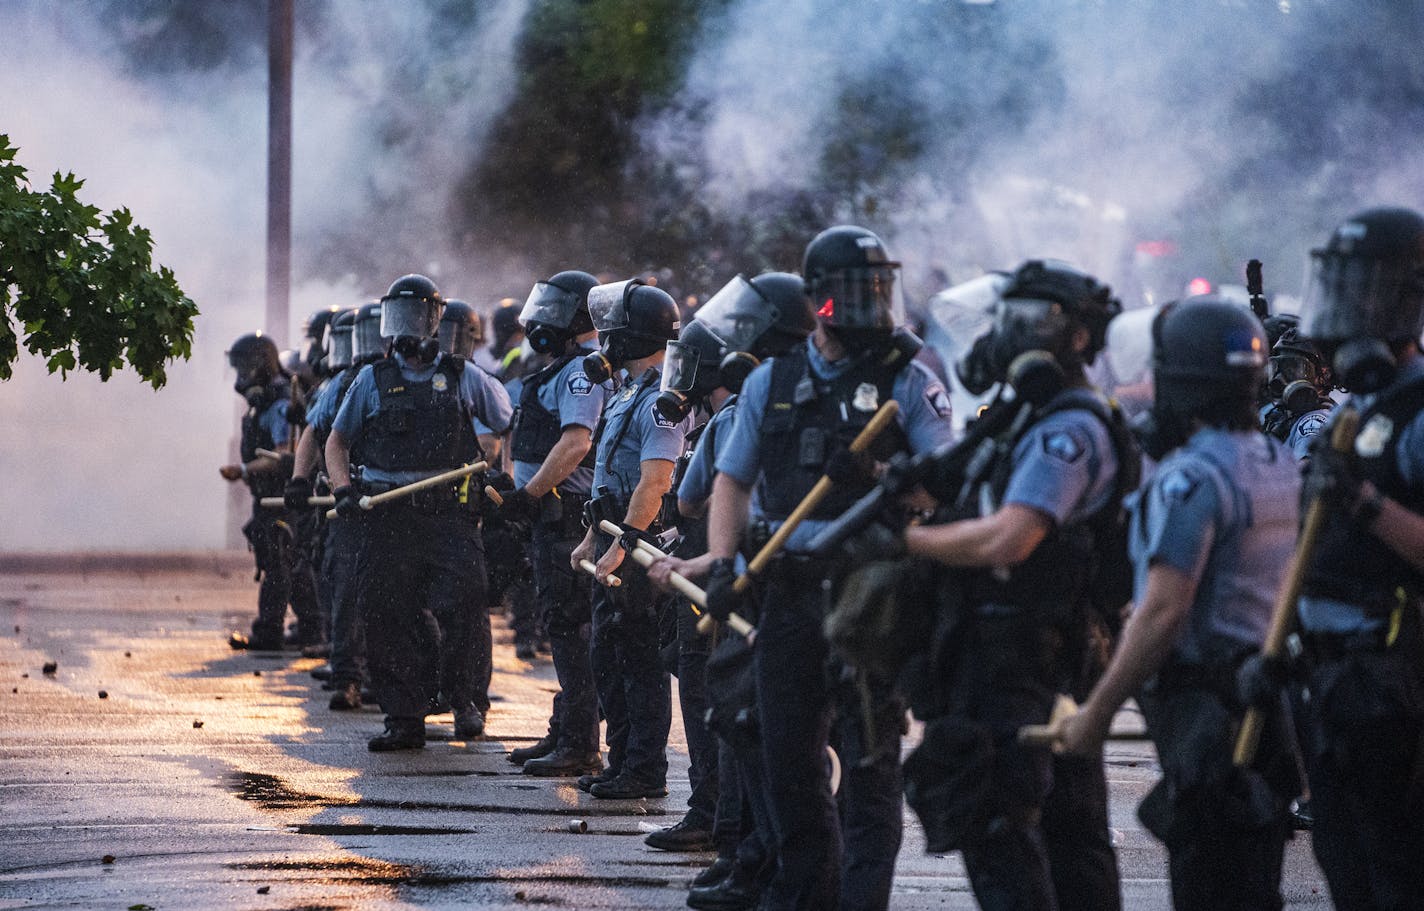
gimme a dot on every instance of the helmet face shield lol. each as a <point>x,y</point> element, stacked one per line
<point>456,338</point>
<point>338,344</point>
<point>738,315</point>
<point>410,317</point>
<point>680,367</point>
<point>1349,296</point>
<point>366,338</point>
<point>549,305</point>
<point>1031,323</point>
<point>857,298</point>
<point>608,305</point>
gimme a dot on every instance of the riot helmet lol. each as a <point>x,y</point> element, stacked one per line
<point>1366,294</point>
<point>313,350</point>
<point>460,331</point>
<point>1040,308</point>
<point>1208,362</point>
<point>557,311</point>
<point>255,358</point>
<point>753,319</point>
<point>691,370</point>
<point>504,325</point>
<point>851,282</point>
<point>339,340</point>
<point>1276,325</point>
<point>634,320</point>
<point>410,316</point>
<point>367,342</point>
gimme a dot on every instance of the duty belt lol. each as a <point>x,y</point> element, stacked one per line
<point>445,498</point>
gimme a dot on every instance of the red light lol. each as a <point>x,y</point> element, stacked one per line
<point>1156,248</point>
<point>1198,286</point>
<point>828,309</point>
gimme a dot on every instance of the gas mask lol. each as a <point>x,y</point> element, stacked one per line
<point>735,367</point>
<point>408,346</point>
<point>597,366</point>
<point>253,395</point>
<point>543,338</point>
<point>1020,325</point>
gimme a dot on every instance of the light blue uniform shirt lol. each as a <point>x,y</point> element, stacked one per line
<point>924,416</point>
<point>648,436</point>
<point>274,421</point>
<point>1064,467</point>
<point>1221,509</point>
<point>322,411</point>
<point>1323,615</point>
<point>481,393</point>
<point>576,402</point>
<point>1304,429</point>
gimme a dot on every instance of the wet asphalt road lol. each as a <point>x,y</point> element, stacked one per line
<point>208,778</point>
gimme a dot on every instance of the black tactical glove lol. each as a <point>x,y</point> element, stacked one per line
<point>1259,681</point>
<point>295,494</point>
<point>850,469</point>
<point>499,481</point>
<point>631,536</point>
<point>348,502</point>
<point>519,506</point>
<point>722,601</point>
<point>1330,477</point>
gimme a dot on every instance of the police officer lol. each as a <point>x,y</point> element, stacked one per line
<point>414,414</point>
<point>1024,543</point>
<point>552,450</point>
<point>1298,384</point>
<point>744,323</point>
<point>356,342</point>
<point>1362,594</point>
<point>1210,535</point>
<point>270,533</point>
<point>508,339</point>
<point>794,422</point>
<point>637,448</point>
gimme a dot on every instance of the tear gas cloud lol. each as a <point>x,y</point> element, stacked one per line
<point>971,135</point>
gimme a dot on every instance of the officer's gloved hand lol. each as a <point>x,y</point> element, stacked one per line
<point>1259,681</point>
<point>348,502</point>
<point>722,600</point>
<point>850,469</point>
<point>500,481</point>
<point>295,494</point>
<point>1330,477</point>
<point>631,536</point>
<point>520,505</point>
<point>883,539</point>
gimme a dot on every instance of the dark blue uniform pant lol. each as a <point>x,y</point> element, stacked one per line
<point>794,705</point>
<point>413,561</point>
<point>702,773</point>
<point>348,632</point>
<point>563,600</point>
<point>286,579</point>
<point>1363,733</point>
<point>633,688</point>
<point>871,795</point>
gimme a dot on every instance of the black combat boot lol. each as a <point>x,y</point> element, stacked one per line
<point>400,734</point>
<point>587,781</point>
<point>734,892</point>
<point>626,787</point>
<point>469,723</point>
<point>683,836</point>
<point>563,763</point>
<point>541,747</point>
<point>346,698</point>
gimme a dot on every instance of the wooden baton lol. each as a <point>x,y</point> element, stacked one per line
<point>453,474</point>
<point>591,568</point>
<point>278,502</point>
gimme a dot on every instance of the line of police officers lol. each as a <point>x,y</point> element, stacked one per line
<point>972,580</point>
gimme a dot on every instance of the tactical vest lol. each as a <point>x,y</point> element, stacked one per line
<point>420,426</point>
<point>536,429</point>
<point>1350,564</point>
<point>1056,577</point>
<point>343,383</point>
<point>647,390</point>
<point>807,419</point>
<point>256,436</point>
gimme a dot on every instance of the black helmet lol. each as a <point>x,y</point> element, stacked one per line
<point>255,358</point>
<point>851,281</point>
<point>691,370</point>
<point>634,320</point>
<point>1299,376</point>
<point>313,350</point>
<point>1366,293</point>
<point>756,319</point>
<point>1039,307</point>
<point>367,343</point>
<point>504,323</point>
<point>410,314</point>
<point>1208,362</point>
<point>338,340</point>
<point>1277,324</point>
<point>557,311</point>
<point>461,330</point>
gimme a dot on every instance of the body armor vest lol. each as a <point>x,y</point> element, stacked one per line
<point>535,428</point>
<point>420,426</point>
<point>647,388</point>
<point>256,436</point>
<point>1350,564</point>
<point>1055,578</point>
<point>808,419</point>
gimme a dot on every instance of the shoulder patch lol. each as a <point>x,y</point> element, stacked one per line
<point>1310,424</point>
<point>579,383</point>
<point>938,400</point>
<point>1177,486</point>
<point>659,419</point>
<point>1063,446</point>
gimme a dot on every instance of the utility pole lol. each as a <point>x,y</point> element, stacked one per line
<point>279,168</point>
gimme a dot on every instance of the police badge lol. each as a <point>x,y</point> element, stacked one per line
<point>1374,436</point>
<point>439,382</point>
<point>867,398</point>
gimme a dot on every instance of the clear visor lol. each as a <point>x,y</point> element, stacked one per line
<point>608,307</point>
<point>456,338</point>
<point>1352,296</point>
<point>366,338</point>
<point>680,367</point>
<point>737,315</point>
<point>1036,323</point>
<point>338,346</point>
<point>409,317</point>
<point>859,298</point>
<point>1288,368</point>
<point>550,305</point>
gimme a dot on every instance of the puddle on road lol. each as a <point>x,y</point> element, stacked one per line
<point>272,793</point>
<point>359,829</point>
<point>380,873</point>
